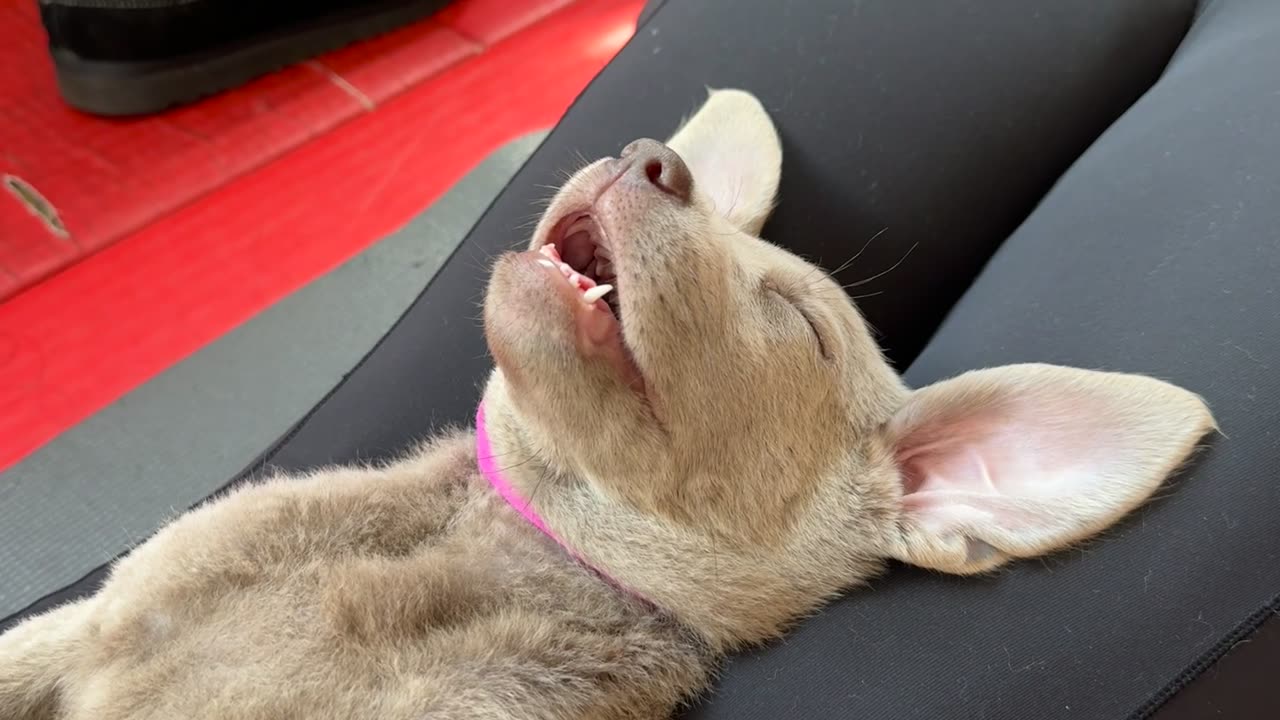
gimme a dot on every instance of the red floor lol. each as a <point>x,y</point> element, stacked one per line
<point>171,230</point>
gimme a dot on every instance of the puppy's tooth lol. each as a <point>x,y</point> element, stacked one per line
<point>591,296</point>
<point>546,263</point>
<point>574,278</point>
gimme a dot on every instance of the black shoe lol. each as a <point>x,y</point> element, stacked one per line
<point>130,57</point>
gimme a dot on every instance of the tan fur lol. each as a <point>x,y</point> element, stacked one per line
<point>757,471</point>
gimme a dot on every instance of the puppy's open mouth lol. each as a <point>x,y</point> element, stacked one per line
<point>581,252</point>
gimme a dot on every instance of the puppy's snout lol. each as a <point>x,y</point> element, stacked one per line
<point>660,166</point>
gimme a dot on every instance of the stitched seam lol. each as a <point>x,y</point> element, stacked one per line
<point>1206,660</point>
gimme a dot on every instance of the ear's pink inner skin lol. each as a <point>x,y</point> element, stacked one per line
<point>1012,463</point>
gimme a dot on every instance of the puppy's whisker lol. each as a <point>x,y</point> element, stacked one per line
<point>513,466</point>
<point>567,173</point>
<point>482,265</point>
<point>818,269</point>
<point>867,295</point>
<point>858,254</point>
<point>884,272</point>
<point>542,477</point>
<point>495,456</point>
<point>809,281</point>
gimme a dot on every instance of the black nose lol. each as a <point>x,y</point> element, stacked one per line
<point>659,165</point>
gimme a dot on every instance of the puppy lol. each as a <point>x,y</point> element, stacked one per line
<point>690,441</point>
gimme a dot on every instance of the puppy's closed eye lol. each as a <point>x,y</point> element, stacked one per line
<point>795,307</point>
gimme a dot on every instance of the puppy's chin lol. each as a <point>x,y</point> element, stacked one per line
<point>550,334</point>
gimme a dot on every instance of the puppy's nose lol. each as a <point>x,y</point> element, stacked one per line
<point>660,166</point>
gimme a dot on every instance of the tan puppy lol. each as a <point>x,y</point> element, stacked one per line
<point>716,432</point>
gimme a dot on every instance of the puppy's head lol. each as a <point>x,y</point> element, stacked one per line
<point>653,345</point>
<point>651,339</point>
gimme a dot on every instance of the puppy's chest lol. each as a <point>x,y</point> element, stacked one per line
<point>389,567</point>
<point>445,588</point>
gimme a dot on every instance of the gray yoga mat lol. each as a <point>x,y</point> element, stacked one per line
<point>109,482</point>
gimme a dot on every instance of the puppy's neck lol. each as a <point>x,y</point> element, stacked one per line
<point>732,591</point>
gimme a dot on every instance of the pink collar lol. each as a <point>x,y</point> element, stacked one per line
<point>487,461</point>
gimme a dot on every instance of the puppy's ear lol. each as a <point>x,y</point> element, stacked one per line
<point>35,658</point>
<point>733,151</point>
<point>1022,460</point>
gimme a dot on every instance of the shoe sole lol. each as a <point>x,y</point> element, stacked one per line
<point>139,88</point>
